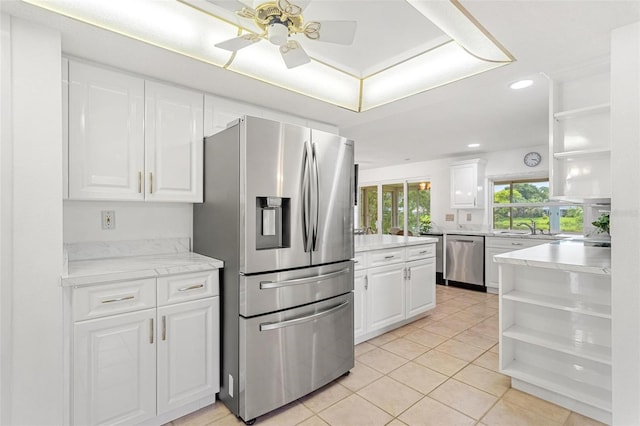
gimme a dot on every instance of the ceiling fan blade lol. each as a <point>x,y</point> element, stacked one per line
<point>238,43</point>
<point>232,5</point>
<point>339,32</point>
<point>293,54</point>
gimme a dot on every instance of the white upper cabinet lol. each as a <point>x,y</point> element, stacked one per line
<point>106,134</point>
<point>173,143</point>
<point>130,139</point>
<point>580,137</point>
<point>467,184</point>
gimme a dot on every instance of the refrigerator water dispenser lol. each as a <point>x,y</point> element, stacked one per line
<point>272,222</point>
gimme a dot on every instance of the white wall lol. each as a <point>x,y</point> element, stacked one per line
<point>134,221</point>
<point>32,230</point>
<point>504,164</point>
<point>625,223</point>
<point>5,217</point>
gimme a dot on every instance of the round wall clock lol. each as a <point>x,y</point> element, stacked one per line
<point>532,159</point>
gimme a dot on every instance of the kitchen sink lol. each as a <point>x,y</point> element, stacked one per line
<point>516,234</point>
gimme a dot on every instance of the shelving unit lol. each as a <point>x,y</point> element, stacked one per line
<point>579,140</point>
<point>555,334</point>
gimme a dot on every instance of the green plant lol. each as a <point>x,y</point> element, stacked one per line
<point>425,223</point>
<point>602,223</point>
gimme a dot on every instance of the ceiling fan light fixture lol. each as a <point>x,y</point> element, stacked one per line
<point>277,33</point>
<point>521,84</point>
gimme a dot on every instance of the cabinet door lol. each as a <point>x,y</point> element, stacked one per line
<point>385,296</point>
<point>491,267</point>
<point>106,134</point>
<point>464,186</point>
<point>114,369</point>
<point>188,352</point>
<point>173,143</point>
<point>360,303</point>
<point>421,286</point>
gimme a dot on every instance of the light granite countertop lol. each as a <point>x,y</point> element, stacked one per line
<point>377,242</point>
<point>571,256</point>
<point>93,263</point>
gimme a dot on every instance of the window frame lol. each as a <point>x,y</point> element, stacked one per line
<point>553,205</point>
<point>405,188</point>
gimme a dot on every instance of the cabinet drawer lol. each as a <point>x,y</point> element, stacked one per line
<point>421,252</point>
<point>110,299</point>
<point>385,257</point>
<point>513,243</point>
<point>179,288</point>
<point>360,261</point>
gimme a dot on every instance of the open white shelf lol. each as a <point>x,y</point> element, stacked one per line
<point>579,112</point>
<point>582,153</point>
<point>563,304</point>
<point>584,350</point>
<point>589,394</point>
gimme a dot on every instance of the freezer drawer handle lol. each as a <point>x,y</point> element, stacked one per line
<point>191,287</point>
<point>264,285</point>
<point>276,325</point>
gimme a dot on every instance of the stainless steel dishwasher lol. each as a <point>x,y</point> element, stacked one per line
<point>465,261</point>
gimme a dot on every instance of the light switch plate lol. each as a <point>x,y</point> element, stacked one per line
<point>108,219</point>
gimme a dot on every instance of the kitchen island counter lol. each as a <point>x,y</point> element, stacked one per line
<point>377,242</point>
<point>571,256</point>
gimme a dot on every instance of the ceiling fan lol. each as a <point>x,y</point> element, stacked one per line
<point>279,20</point>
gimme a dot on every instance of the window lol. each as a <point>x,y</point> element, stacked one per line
<point>394,197</point>
<point>519,204</point>
<point>369,208</point>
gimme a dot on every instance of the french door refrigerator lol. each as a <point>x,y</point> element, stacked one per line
<point>278,210</point>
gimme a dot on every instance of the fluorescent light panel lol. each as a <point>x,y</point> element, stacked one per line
<point>192,27</point>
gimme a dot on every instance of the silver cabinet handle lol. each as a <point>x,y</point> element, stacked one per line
<point>391,256</point>
<point>150,182</point>
<point>366,282</point>
<point>264,285</point>
<point>164,327</point>
<point>408,273</point>
<point>276,325</point>
<point>119,299</point>
<point>151,331</point>
<point>191,287</point>
<point>139,182</point>
<point>516,244</point>
<point>423,251</point>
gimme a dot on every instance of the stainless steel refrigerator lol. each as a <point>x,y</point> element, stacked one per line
<point>278,210</point>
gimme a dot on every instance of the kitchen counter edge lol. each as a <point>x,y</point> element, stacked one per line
<point>379,242</point>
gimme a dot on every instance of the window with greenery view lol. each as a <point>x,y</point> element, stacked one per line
<point>417,195</point>
<point>369,208</point>
<point>518,203</point>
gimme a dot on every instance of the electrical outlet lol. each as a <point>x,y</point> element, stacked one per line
<point>108,219</point>
<point>468,217</point>
<point>448,217</point>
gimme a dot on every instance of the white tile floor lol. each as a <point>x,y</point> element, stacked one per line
<point>439,370</point>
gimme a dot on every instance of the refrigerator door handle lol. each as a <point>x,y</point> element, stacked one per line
<point>265,285</point>
<point>304,189</point>
<point>276,325</point>
<point>316,196</point>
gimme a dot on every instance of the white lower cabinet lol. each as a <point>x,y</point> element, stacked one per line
<point>149,365</point>
<point>499,245</point>
<point>385,296</point>
<point>390,290</point>
<point>187,367</point>
<point>114,369</point>
<point>360,285</point>
<point>420,297</point>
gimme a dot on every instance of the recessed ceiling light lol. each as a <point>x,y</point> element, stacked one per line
<point>521,84</point>
<point>473,145</point>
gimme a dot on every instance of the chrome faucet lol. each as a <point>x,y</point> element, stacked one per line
<point>531,227</point>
